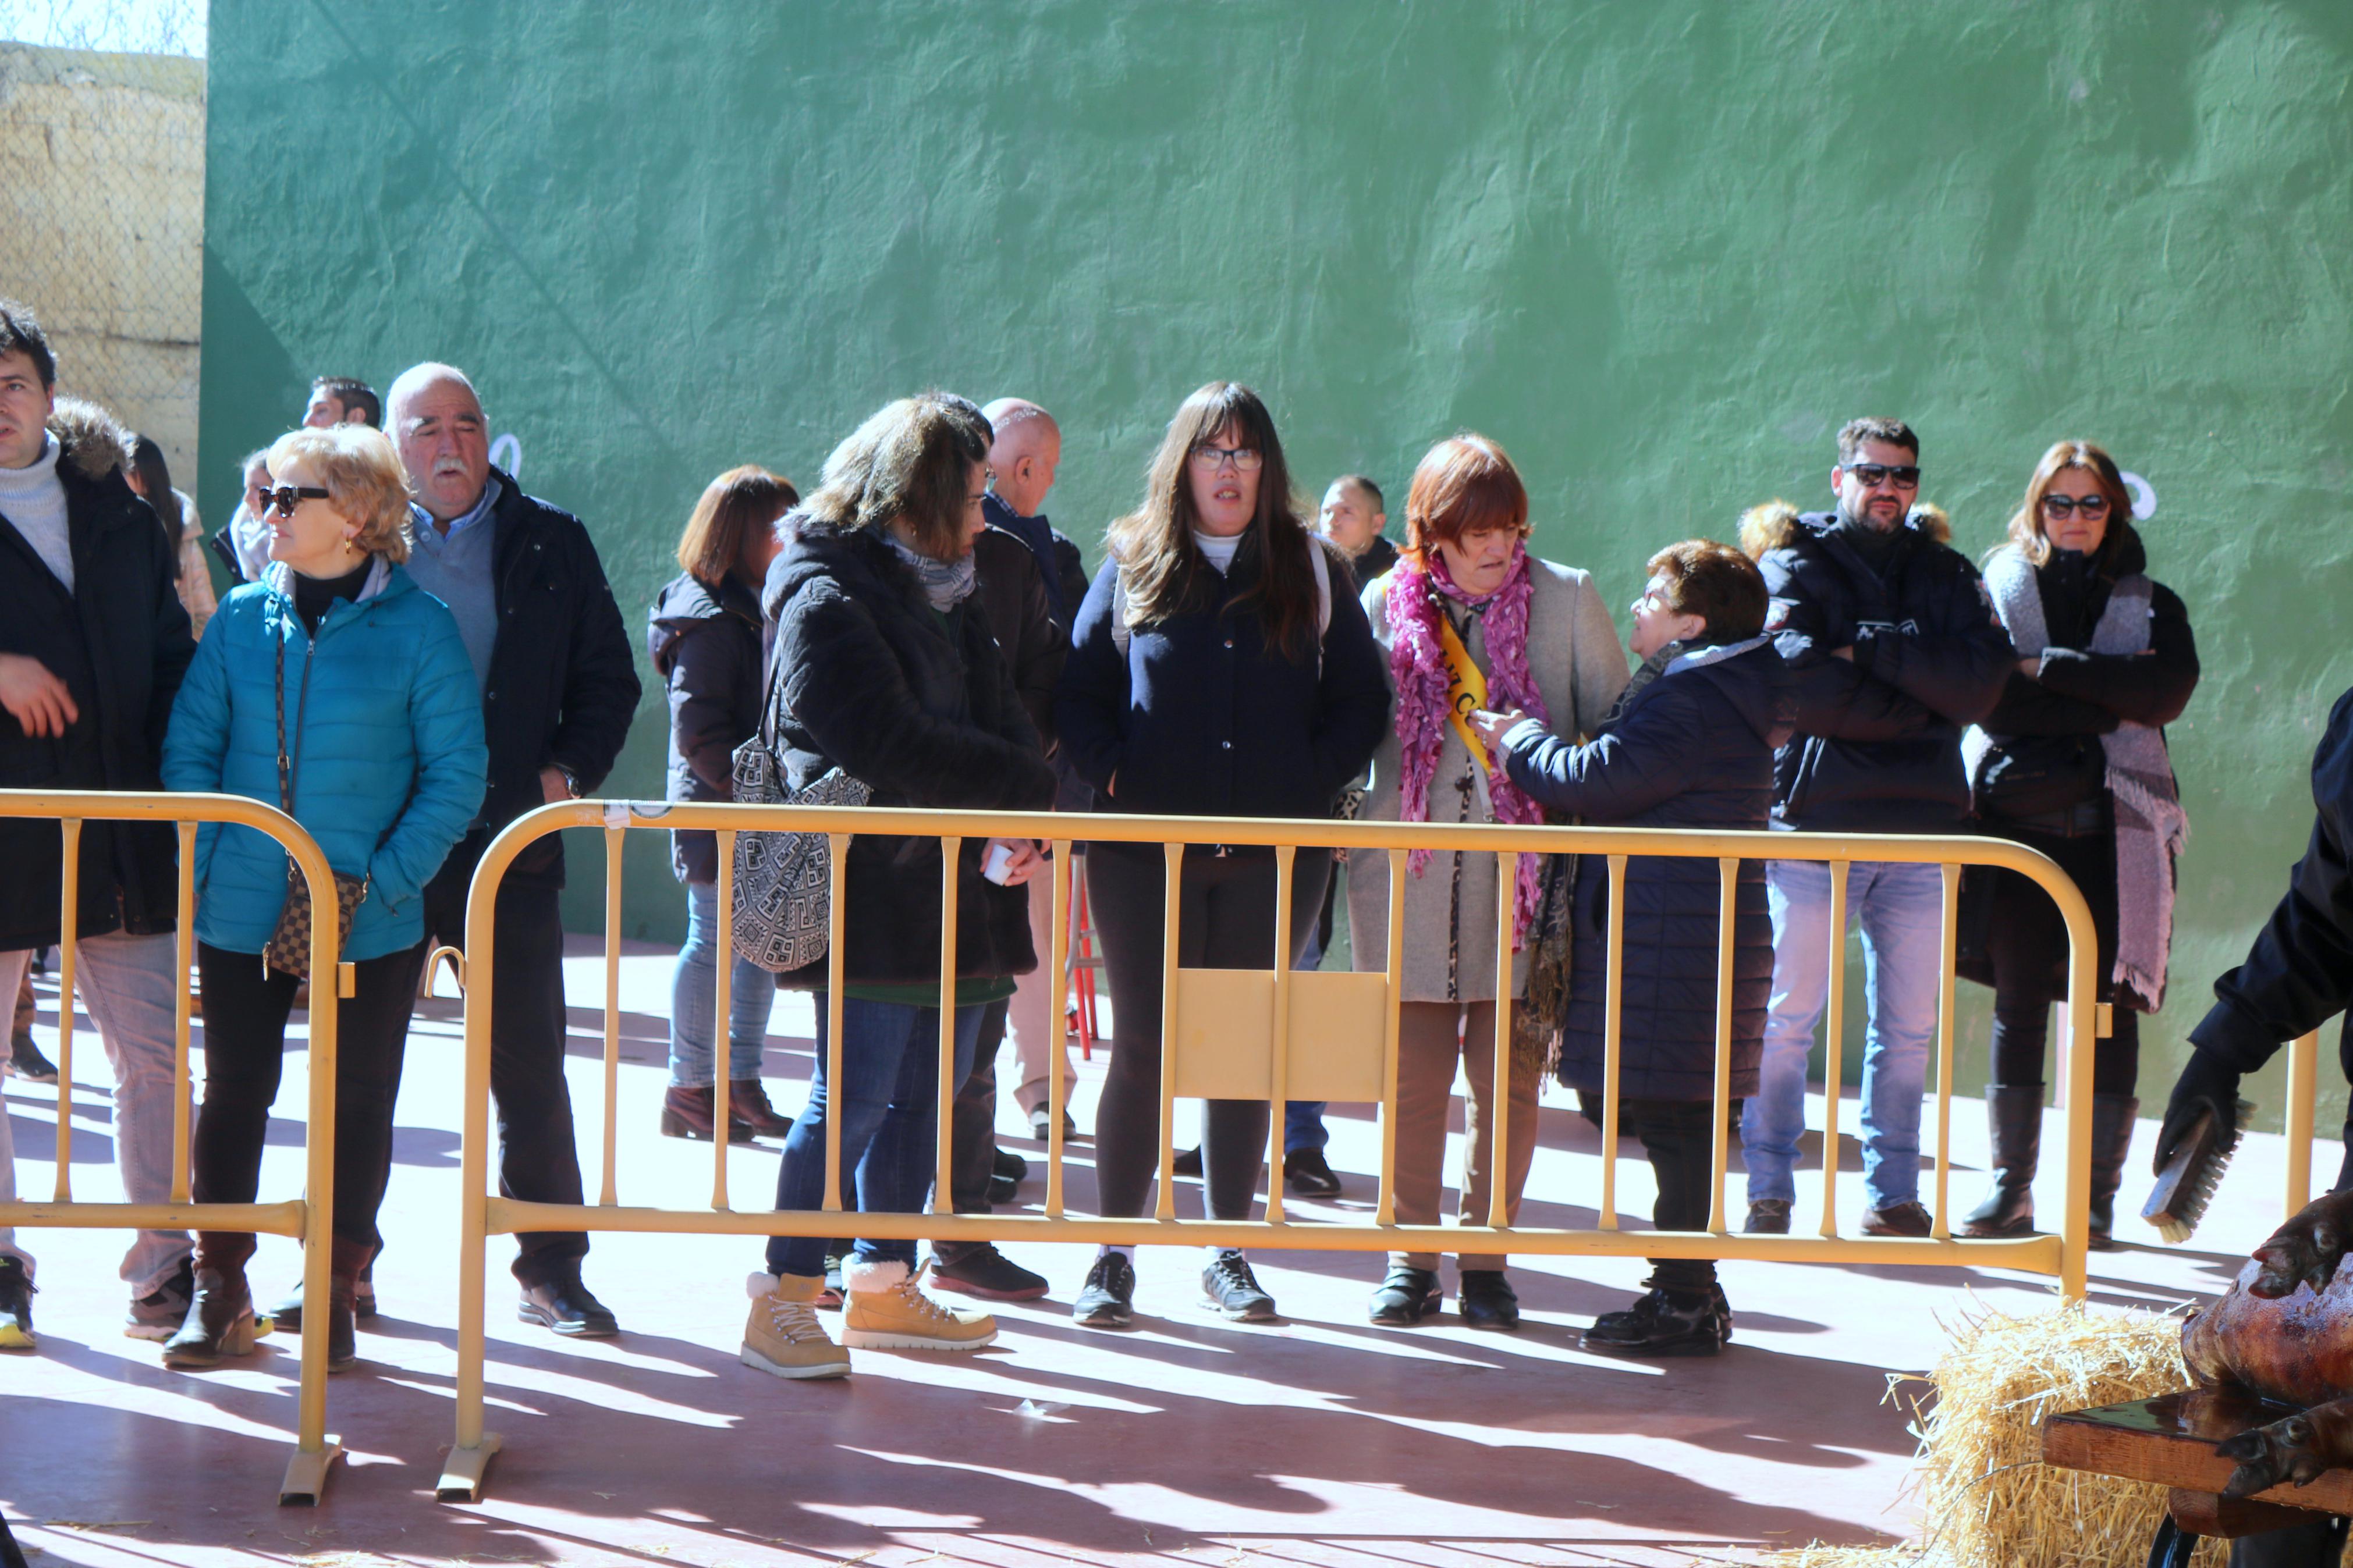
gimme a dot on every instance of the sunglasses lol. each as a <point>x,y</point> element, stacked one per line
<point>286,498</point>
<point>2067,506</point>
<point>1870,476</point>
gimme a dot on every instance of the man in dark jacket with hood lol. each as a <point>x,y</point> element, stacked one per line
<point>93,644</point>
<point>1892,648</point>
<point>559,689</point>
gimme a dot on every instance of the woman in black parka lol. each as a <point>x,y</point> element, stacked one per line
<point>1220,667</point>
<point>2073,763</point>
<point>885,668</point>
<point>703,636</point>
<point>1690,744</point>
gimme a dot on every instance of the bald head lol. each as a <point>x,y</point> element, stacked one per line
<point>1028,449</point>
<point>444,443</point>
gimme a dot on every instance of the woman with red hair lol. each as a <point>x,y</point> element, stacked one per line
<point>1469,619</point>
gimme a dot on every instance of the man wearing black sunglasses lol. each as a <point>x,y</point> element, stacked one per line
<point>1894,649</point>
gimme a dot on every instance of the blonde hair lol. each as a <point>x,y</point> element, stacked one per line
<point>363,478</point>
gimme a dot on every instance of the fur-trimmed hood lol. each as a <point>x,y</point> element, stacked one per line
<point>1774,525</point>
<point>90,438</point>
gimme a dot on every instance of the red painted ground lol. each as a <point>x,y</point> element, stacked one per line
<point>1321,1441</point>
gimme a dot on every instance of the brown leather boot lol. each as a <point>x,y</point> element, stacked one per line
<point>688,1114</point>
<point>747,1101</point>
<point>220,1314</point>
<point>344,1267</point>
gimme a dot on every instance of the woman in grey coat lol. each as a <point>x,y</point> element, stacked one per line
<point>1466,612</point>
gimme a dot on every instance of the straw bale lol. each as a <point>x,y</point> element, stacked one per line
<point>1989,1500</point>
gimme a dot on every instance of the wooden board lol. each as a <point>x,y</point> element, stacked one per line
<point>2170,1440</point>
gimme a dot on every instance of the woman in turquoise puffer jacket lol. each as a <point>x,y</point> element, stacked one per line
<point>383,757</point>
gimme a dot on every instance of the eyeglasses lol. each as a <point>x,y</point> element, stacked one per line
<point>1870,476</point>
<point>1245,459</point>
<point>2092,506</point>
<point>286,498</point>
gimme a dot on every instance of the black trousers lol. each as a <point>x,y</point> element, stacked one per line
<point>1679,1135</point>
<point>244,1012</point>
<point>1225,921</point>
<point>538,1162</point>
<point>2027,945</point>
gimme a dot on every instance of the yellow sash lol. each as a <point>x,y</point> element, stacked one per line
<point>1466,689</point>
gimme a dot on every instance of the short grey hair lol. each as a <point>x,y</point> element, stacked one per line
<point>416,379</point>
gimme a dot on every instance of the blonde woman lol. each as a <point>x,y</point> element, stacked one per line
<point>339,688</point>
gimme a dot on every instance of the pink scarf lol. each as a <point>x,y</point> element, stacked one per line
<point>1417,667</point>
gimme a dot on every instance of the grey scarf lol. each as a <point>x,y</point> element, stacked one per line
<point>2150,826</point>
<point>946,583</point>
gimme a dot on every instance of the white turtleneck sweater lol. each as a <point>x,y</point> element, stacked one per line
<point>32,498</point>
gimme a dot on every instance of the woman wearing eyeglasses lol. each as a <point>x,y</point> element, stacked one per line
<point>1220,666</point>
<point>2073,763</point>
<point>336,688</point>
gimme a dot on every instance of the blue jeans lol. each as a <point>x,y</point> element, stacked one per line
<point>890,1114</point>
<point>694,999</point>
<point>1901,910</point>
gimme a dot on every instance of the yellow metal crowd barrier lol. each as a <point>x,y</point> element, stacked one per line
<point>1272,1034</point>
<point>306,1218</point>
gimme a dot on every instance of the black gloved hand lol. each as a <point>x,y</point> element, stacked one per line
<point>2207,1083</point>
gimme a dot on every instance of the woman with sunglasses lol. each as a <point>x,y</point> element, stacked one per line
<point>336,688</point>
<point>1220,666</point>
<point>2073,763</point>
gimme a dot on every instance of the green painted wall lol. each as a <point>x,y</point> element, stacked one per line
<point>1660,249</point>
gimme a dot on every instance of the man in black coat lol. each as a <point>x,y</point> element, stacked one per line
<point>1892,648</point>
<point>2299,972</point>
<point>93,644</point>
<point>559,689</point>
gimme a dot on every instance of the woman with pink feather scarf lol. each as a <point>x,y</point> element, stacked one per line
<point>1469,619</point>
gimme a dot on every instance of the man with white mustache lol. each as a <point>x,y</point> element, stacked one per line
<point>559,688</point>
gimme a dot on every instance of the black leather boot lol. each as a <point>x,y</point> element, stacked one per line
<point>2014,1116</point>
<point>220,1314</point>
<point>343,1287</point>
<point>1663,1323</point>
<point>2112,1131</point>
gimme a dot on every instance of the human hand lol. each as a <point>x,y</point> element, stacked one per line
<point>1492,727</point>
<point>1023,863</point>
<point>36,699</point>
<point>1846,653</point>
<point>2030,668</point>
<point>554,786</point>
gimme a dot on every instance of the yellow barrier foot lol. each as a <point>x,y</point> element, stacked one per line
<point>306,1476</point>
<point>463,1471</point>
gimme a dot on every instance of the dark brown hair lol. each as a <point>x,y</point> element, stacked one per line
<point>1465,484</point>
<point>20,334</point>
<point>912,459</point>
<point>2026,523</point>
<point>737,502</point>
<point>353,393</point>
<point>1165,573</point>
<point>1894,432</point>
<point>1715,582</point>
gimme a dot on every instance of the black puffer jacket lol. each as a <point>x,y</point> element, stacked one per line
<point>920,707</point>
<point>1693,748</point>
<point>120,642</point>
<point>1878,740</point>
<point>1012,596</point>
<point>2299,973</point>
<point>564,685</point>
<point>706,648</point>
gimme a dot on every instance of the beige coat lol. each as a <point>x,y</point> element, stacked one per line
<point>1574,655</point>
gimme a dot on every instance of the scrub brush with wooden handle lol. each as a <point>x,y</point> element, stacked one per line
<point>2186,1186</point>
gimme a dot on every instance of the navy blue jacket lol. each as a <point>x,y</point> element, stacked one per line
<point>1693,748</point>
<point>1203,719</point>
<point>706,648</point>
<point>1878,741</point>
